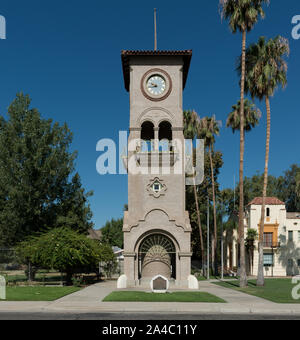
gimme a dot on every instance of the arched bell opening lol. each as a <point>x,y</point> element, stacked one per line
<point>157,256</point>
<point>165,131</point>
<point>147,136</point>
<point>165,136</point>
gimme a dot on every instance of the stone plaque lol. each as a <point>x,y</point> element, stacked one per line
<point>159,284</point>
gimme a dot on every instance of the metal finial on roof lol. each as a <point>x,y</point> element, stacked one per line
<point>155,30</point>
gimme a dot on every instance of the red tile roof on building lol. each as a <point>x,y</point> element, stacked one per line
<point>125,55</point>
<point>269,201</point>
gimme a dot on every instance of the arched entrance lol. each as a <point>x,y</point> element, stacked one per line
<point>157,256</point>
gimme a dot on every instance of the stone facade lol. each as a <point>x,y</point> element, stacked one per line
<point>157,230</point>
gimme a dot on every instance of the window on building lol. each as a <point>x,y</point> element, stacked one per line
<point>268,239</point>
<point>298,262</point>
<point>268,212</point>
<point>156,187</point>
<point>290,263</point>
<point>291,236</point>
<point>268,260</point>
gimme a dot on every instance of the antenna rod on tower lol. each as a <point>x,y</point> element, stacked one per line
<point>155,31</point>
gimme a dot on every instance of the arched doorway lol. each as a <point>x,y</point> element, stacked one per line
<point>157,256</point>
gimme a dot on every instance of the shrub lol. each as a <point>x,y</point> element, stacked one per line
<point>64,250</point>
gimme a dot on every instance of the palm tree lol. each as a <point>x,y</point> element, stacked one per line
<point>191,122</point>
<point>266,70</point>
<point>252,116</point>
<point>209,128</point>
<point>242,16</point>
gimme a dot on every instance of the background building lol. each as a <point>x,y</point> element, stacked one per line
<point>281,239</point>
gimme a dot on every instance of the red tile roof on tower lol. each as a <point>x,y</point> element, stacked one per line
<point>269,201</point>
<point>126,54</point>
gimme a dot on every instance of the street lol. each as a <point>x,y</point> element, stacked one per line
<point>140,316</point>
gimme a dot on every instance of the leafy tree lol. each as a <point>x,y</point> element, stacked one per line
<point>209,128</point>
<point>298,183</point>
<point>110,264</point>
<point>266,70</point>
<point>290,188</point>
<point>37,190</point>
<point>112,233</point>
<point>242,16</point>
<point>65,250</point>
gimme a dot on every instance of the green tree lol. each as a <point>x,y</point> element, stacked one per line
<point>112,233</point>
<point>298,183</point>
<point>191,131</point>
<point>290,188</point>
<point>65,250</point>
<point>242,16</point>
<point>266,70</point>
<point>209,128</point>
<point>37,190</point>
<point>204,190</point>
<point>109,263</point>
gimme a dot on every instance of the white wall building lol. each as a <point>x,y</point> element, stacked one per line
<point>281,239</point>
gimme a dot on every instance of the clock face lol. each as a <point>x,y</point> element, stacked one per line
<point>156,85</point>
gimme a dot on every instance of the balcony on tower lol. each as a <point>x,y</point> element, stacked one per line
<point>156,147</point>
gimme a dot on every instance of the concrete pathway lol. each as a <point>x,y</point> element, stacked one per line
<point>89,300</point>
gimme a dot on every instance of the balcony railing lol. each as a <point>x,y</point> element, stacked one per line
<point>163,146</point>
<point>271,244</point>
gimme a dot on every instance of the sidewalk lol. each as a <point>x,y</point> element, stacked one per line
<point>89,300</point>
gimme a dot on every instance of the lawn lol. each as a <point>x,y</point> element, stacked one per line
<point>275,290</point>
<point>37,293</point>
<point>133,296</point>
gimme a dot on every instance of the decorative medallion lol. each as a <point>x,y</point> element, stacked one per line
<point>156,188</point>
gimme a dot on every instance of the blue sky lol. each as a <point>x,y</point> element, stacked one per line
<point>66,56</point>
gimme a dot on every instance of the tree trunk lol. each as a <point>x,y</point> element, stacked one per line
<point>69,276</point>
<point>215,238</point>
<point>199,223</point>
<point>30,274</point>
<point>243,274</point>
<point>260,274</point>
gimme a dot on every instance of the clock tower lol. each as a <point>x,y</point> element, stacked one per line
<point>157,230</point>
